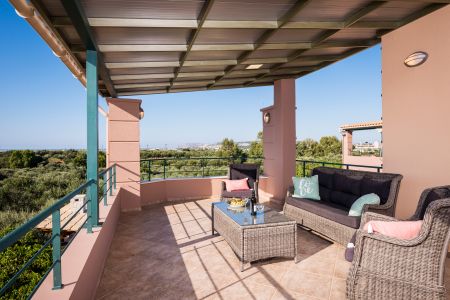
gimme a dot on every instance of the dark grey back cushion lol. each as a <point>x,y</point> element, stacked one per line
<point>240,171</point>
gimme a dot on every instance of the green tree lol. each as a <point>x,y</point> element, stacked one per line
<point>229,148</point>
<point>23,159</point>
<point>307,148</point>
<point>256,147</point>
<point>330,146</point>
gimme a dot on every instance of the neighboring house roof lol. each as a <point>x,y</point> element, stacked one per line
<point>362,126</point>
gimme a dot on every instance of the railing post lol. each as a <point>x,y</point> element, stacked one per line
<point>114,177</point>
<point>92,132</point>
<point>105,190</point>
<point>56,249</point>
<point>149,170</point>
<point>110,181</point>
<point>89,215</point>
<point>304,168</point>
<point>164,168</point>
<point>202,163</point>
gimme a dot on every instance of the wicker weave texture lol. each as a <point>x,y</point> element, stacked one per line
<point>333,230</point>
<point>255,242</point>
<point>389,268</point>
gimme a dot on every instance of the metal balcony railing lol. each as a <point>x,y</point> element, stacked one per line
<point>189,167</point>
<point>108,183</point>
<point>304,167</point>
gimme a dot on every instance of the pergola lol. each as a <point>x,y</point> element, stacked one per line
<point>152,47</point>
<point>122,48</point>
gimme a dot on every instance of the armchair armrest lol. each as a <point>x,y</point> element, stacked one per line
<point>224,187</point>
<point>370,216</point>
<point>290,191</point>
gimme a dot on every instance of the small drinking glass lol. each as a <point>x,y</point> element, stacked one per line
<point>259,207</point>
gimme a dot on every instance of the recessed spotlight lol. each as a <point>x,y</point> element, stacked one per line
<point>253,67</point>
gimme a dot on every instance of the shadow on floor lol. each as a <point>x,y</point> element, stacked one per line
<point>166,251</point>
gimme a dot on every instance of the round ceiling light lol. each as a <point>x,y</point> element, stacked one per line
<point>416,59</point>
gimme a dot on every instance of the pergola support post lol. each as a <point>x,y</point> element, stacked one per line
<point>279,140</point>
<point>92,136</point>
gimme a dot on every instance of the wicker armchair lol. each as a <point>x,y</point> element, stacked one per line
<point>240,171</point>
<point>389,268</point>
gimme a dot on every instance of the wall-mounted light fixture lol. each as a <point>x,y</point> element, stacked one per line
<point>141,113</point>
<point>416,59</point>
<point>266,117</point>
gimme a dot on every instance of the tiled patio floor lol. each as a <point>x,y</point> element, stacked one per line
<point>166,251</point>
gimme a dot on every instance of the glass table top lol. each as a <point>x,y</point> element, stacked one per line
<point>243,217</point>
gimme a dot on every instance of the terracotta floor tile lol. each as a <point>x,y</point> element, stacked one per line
<point>166,251</point>
<point>341,269</point>
<point>307,283</point>
<point>337,289</point>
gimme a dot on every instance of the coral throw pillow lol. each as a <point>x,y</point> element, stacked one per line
<point>403,230</point>
<point>236,185</point>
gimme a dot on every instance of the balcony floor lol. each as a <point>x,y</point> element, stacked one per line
<point>166,251</point>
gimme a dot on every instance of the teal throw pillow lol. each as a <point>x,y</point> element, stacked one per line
<point>357,206</point>
<point>306,187</point>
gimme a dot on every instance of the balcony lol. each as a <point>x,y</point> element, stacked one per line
<point>151,236</point>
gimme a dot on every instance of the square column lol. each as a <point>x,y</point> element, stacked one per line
<point>124,149</point>
<point>279,140</point>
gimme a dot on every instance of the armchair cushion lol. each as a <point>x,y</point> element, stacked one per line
<point>237,194</point>
<point>236,185</point>
<point>403,230</point>
<point>334,212</point>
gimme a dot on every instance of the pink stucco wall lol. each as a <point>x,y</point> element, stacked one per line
<point>187,189</point>
<point>82,263</point>
<point>124,148</point>
<point>279,140</point>
<point>416,106</point>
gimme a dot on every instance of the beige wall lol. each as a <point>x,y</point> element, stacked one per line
<point>124,149</point>
<point>279,139</point>
<point>187,189</point>
<point>416,107</point>
<point>83,262</point>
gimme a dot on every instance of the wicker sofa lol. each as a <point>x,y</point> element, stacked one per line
<point>338,189</point>
<point>389,268</point>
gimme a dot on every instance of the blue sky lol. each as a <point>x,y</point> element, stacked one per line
<point>43,105</point>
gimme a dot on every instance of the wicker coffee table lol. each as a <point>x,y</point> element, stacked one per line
<point>268,234</point>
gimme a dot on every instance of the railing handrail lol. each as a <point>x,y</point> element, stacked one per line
<point>337,163</point>
<point>200,157</point>
<point>54,211</point>
<point>22,230</point>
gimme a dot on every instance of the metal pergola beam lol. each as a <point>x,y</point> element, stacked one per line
<point>79,21</point>
<point>220,47</point>
<point>299,5</point>
<point>201,20</point>
<point>355,17</point>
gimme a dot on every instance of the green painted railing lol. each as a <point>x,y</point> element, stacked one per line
<point>304,167</point>
<point>109,179</point>
<point>186,167</point>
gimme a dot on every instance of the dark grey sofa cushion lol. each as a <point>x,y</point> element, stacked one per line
<point>329,211</point>
<point>343,199</point>
<point>325,178</point>
<point>379,187</point>
<point>348,184</point>
<point>325,194</point>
